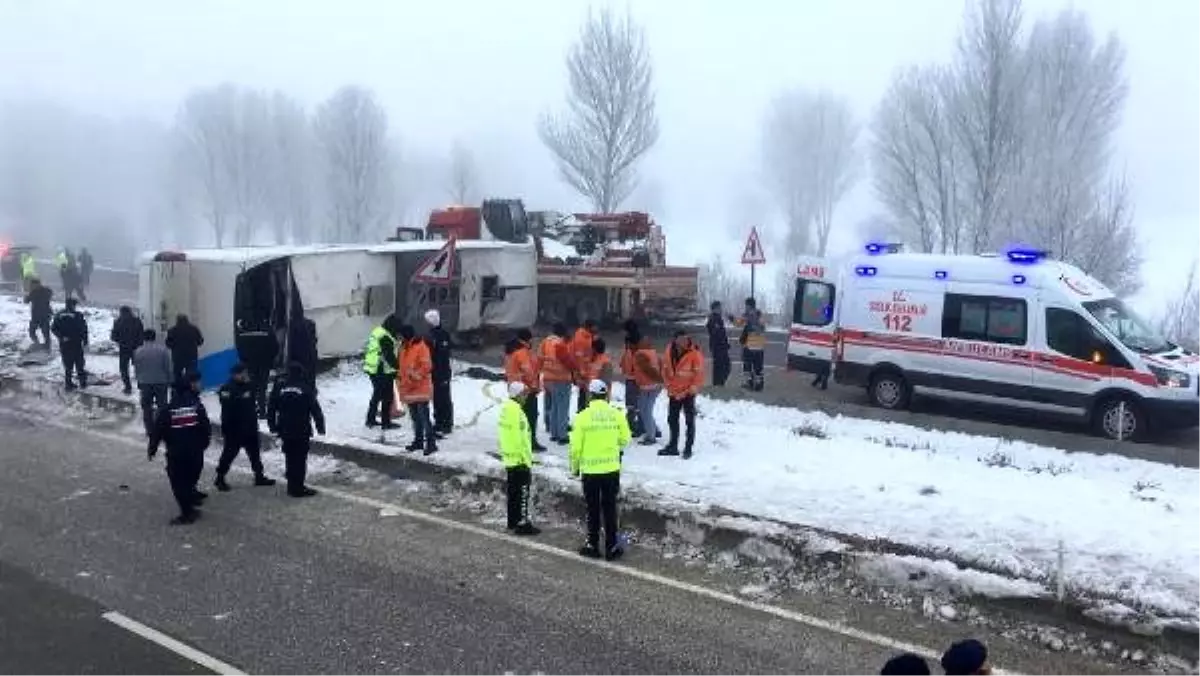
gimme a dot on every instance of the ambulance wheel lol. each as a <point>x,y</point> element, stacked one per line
<point>889,390</point>
<point>1120,418</point>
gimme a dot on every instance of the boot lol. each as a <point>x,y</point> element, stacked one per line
<point>613,554</point>
<point>687,453</point>
<point>590,551</point>
<point>389,425</point>
<point>185,519</point>
<point>305,492</point>
<point>415,446</point>
<point>430,447</point>
<point>372,422</point>
<point>221,484</point>
<point>526,529</point>
<point>263,480</point>
<point>669,449</point>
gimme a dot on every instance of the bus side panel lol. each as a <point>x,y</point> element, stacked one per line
<point>212,312</point>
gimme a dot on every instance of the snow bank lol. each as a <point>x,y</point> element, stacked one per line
<point>1130,528</point>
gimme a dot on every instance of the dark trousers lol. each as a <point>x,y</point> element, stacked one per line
<point>259,378</point>
<point>688,406</point>
<point>581,397</point>
<point>152,398</point>
<point>530,406</point>
<point>180,365</point>
<point>72,361</point>
<point>295,462</point>
<point>519,480</point>
<point>383,395</point>
<point>443,407</point>
<point>123,357</point>
<point>600,492</point>
<point>183,469</point>
<point>721,368</point>
<point>41,324</point>
<point>422,425</point>
<point>631,415</point>
<point>234,442</point>
<point>754,360</point>
<point>821,378</point>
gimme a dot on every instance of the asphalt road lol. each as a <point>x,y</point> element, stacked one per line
<point>335,584</point>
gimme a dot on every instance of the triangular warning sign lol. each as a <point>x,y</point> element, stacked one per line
<point>753,254</point>
<point>438,268</point>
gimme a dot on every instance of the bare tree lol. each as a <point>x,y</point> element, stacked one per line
<point>352,129</point>
<point>464,175</point>
<point>811,161</point>
<point>291,182</point>
<point>610,121</point>
<point>987,113</point>
<point>915,160</point>
<point>719,282</point>
<point>1071,203</point>
<point>1180,322</point>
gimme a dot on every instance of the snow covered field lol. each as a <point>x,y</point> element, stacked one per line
<point>1130,528</point>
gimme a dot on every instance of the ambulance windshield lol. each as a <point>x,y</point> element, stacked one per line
<point>1127,326</point>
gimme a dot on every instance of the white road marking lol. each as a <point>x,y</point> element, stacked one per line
<point>183,650</point>
<point>797,617</point>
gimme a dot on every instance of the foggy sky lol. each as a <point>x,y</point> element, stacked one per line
<point>481,71</point>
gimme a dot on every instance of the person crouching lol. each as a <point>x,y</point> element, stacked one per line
<point>516,452</point>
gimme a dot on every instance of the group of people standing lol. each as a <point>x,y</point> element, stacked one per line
<point>415,369</point>
<point>75,272</point>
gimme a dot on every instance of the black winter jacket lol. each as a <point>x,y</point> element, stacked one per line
<point>71,329</point>
<point>183,425</point>
<point>239,412</point>
<point>293,410</point>
<point>127,332</point>
<point>440,353</point>
<point>184,341</point>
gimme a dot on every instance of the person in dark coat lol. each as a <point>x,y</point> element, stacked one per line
<point>86,266</point>
<point>302,348</point>
<point>239,427</point>
<point>184,341</point>
<point>443,403</point>
<point>292,412</point>
<point>718,344</point>
<point>257,349</point>
<point>40,313</point>
<point>126,332</point>
<point>184,426</point>
<point>71,329</point>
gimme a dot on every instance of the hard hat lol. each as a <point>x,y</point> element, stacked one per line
<point>597,387</point>
<point>433,317</point>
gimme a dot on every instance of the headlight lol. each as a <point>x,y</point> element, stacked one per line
<point>1170,377</point>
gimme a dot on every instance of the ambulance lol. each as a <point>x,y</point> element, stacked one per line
<point>1018,329</point>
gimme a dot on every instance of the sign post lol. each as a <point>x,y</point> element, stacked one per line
<point>753,256</point>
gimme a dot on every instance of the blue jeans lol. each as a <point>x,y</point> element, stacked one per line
<point>645,407</point>
<point>559,398</point>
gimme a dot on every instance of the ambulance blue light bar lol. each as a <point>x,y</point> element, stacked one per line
<point>1027,256</point>
<point>865,271</point>
<point>940,274</point>
<point>876,248</point>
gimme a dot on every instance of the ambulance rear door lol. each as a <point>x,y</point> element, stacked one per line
<point>814,316</point>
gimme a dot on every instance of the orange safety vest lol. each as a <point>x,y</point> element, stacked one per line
<point>553,369</point>
<point>521,367</point>
<point>581,345</point>
<point>685,376</point>
<point>597,369</point>
<point>414,378</point>
<point>646,371</point>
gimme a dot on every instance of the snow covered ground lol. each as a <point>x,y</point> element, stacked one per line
<point>1130,529</point>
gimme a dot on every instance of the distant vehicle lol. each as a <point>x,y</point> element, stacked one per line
<point>345,290</point>
<point>10,263</point>
<point>1018,329</point>
<point>607,267</point>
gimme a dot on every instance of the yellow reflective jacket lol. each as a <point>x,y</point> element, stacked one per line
<point>28,266</point>
<point>516,443</point>
<point>598,435</point>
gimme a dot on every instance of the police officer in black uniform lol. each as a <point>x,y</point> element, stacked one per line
<point>292,412</point>
<point>183,425</point>
<point>71,329</point>
<point>441,352</point>
<point>239,427</point>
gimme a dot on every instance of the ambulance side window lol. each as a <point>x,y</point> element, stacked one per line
<point>1069,333</point>
<point>992,319</point>
<point>813,305</point>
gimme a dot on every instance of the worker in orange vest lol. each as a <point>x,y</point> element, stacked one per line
<point>599,367</point>
<point>581,350</point>
<point>683,369</point>
<point>414,385</point>
<point>647,374</point>
<point>520,366</point>
<point>558,372</point>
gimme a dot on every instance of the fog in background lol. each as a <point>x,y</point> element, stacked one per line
<point>806,119</point>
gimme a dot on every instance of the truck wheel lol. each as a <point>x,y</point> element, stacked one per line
<point>889,390</point>
<point>1120,418</point>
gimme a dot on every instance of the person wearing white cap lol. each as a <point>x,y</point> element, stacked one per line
<point>516,452</point>
<point>443,405</point>
<point>598,439</point>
